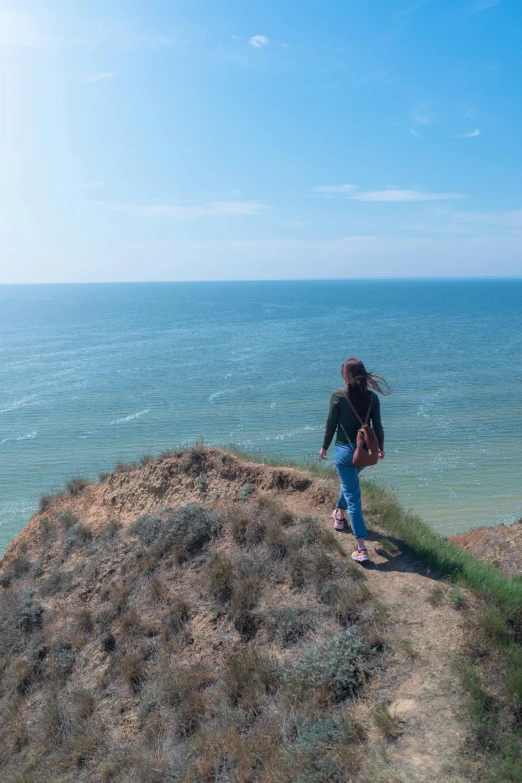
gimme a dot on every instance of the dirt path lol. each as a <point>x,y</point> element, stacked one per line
<point>419,687</point>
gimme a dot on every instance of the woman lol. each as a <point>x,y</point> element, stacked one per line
<point>346,421</point>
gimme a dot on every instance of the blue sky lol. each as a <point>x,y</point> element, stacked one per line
<point>177,140</point>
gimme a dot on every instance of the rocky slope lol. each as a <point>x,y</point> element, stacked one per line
<point>196,619</point>
<point>501,546</point>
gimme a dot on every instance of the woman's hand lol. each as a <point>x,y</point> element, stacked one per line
<point>381,454</point>
<point>322,453</point>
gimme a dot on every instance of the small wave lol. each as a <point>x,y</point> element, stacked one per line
<point>20,403</point>
<point>216,394</point>
<point>281,383</point>
<point>29,436</point>
<point>219,393</point>
<point>131,417</point>
<point>300,431</point>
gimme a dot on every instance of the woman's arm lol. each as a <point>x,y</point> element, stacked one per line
<point>376,420</point>
<point>331,422</point>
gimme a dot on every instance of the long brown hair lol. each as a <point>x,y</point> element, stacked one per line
<point>359,381</point>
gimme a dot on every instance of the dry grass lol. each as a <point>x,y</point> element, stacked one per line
<point>132,669</point>
<point>130,684</point>
<point>386,723</point>
<point>250,674</point>
<point>76,486</point>
<point>178,614</point>
<point>222,576</point>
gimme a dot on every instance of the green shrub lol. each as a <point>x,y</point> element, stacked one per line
<point>311,757</point>
<point>335,666</point>
<point>187,531</point>
<point>202,485</point>
<point>245,491</point>
<point>147,528</point>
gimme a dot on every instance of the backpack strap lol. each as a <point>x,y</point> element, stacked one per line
<point>361,422</point>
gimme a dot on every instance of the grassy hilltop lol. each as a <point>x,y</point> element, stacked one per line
<point>194,618</point>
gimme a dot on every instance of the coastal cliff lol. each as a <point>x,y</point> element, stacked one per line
<point>195,618</point>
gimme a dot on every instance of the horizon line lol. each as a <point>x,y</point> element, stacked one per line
<point>273,280</point>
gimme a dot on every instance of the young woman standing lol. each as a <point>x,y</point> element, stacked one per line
<point>357,403</point>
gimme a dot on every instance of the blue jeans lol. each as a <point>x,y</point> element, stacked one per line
<point>350,497</point>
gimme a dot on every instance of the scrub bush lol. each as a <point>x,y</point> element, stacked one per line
<point>187,531</point>
<point>335,666</point>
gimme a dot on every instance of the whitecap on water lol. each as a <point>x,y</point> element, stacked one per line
<point>29,436</point>
<point>131,417</point>
<point>20,403</point>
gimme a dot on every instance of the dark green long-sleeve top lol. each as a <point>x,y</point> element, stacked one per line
<point>340,411</point>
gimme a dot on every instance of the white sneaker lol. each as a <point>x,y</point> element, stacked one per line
<point>339,521</point>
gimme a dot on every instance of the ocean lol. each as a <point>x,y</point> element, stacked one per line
<point>95,374</point>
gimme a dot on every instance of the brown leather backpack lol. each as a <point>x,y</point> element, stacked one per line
<point>367,444</point>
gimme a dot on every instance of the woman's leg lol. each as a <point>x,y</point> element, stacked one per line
<point>350,492</point>
<point>342,505</point>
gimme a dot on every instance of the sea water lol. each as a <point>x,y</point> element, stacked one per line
<point>94,374</point>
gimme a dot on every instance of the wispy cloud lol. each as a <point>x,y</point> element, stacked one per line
<point>259,41</point>
<point>421,114</point>
<point>469,135</point>
<point>188,211</point>
<point>414,132</point>
<point>333,189</point>
<point>100,77</point>
<point>390,193</point>
<point>483,5</point>
<point>399,196</point>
